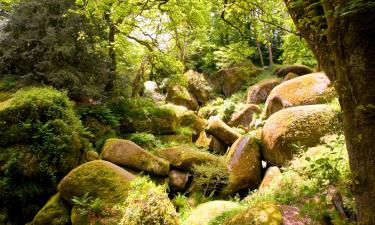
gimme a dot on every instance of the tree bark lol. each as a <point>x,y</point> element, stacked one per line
<point>138,78</point>
<point>343,45</point>
<point>270,54</point>
<point>260,53</point>
<point>112,54</point>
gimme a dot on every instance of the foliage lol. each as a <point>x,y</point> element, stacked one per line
<point>148,204</point>
<point>210,178</point>
<point>296,51</point>
<point>41,140</point>
<point>145,140</point>
<point>85,205</point>
<point>48,43</point>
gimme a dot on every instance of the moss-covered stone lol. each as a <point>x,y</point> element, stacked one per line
<point>244,165</point>
<point>185,157</point>
<point>179,95</point>
<point>222,131</point>
<point>127,153</point>
<point>264,213</point>
<point>190,119</point>
<point>272,174</point>
<point>244,117</point>
<point>55,212</point>
<point>41,140</point>
<point>199,87</point>
<point>303,125</point>
<point>259,92</point>
<point>309,89</point>
<point>296,69</point>
<point>100,179</point>
<point>290,76</point>
<point>205,212</point>
<point>211,143</point>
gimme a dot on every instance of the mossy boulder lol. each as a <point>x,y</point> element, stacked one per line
<point>41,140</point>
<point>211,143</point>
<point>222,131</point>
<point>55,212</point>
<point>205,212</point>
<point>128,154</point>
<point>244,117</point>
<point>296,69</point>
<point>99,179</point>
<point>259,92</point>
<point>199,87</point>
<point>178,179</point>
<point>151,90</point>
<point>309,89</point>
<point>179,95</point>
<point>303,125</point>
<point>273,173</point>
<point>263,213</point>
<point>244,165</point>
<point>190,119</point>
<point>185,157</point>
<point>143,115</point>
<point>290,76</point>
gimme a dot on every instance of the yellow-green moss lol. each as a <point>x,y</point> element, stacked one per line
<point>55,212</point>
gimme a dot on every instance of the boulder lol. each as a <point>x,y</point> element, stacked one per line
<point>178,179</point>
<point>263,213</point>
<point>55,212</point>
<point>179,95</point>
<point>244,165</point>
<point>185,157</point>
<point>309,89</point>
<point>127,153</point>
<point>198,87</point>
<point>271,174</point>
<point>290,76</point>
<point>222,131</point>
<point>151,91</point>
<point>296,69</point>
<point>303,125</point>
<point>205,212</point>
<point>190,119</point>
<point>211,143</point>
<point>258,93</point>
<point>244,117</point>
<point>98,179</point>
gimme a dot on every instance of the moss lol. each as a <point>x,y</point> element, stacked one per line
<point>148,204</point>
<point>55,212</point>
<point>265,213</point>
<point>41,140</point>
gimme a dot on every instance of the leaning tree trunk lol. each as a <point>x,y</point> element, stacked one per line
<point>260,53</point>
<point>343,42</point>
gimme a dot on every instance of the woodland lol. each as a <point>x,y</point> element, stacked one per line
<point>187,112</point>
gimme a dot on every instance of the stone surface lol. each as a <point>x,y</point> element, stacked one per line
<point>185,157</point>
<point>127,153</point>
<point>190,119</point>
<point>205,212</point>
<point>179,95</point>
<point>222,131</point>
<point>210,142</point>
<point>244,165</point>
<point>303,125</point>
<point>178,179</point>
<point>244,117</point>
<point>259,92</point>
<point>199,87</point>
<point>271,174</point>
<point>309,89</point>
<point>296,69</point>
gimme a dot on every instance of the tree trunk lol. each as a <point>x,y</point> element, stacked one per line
<point>344,48</point>
<point>270,55</point>
<point>260,53</point>
<point>112,55</point>
<point>138,78</point>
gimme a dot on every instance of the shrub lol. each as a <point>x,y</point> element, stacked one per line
<point>148,204</point>
<point>210,178</point>
<point>144,140</point>
<point>41,139</point>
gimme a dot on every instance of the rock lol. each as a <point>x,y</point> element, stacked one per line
<point>176,138</point>
<point>151,91</point>
<point>303,125</point>
<point>178,179</point>
<point>55,212</point>
<point>259,92</point>
<point>290,76</point>
<point>179,95</point>
<point>309,89</point>
<point>99,179</point>
<point>296,69</point>
<point>205,212</point>
<point>244,117</point>
<point>199,87</point>
<point>292,216</point>
<point>271,174</point>
<point>222,131</point>
<point>185,157</point>
<point>244,165</point>
<point>127,153</point>
<point>91,156</point>
<point>190,119</point>
<point>210,142</point>
<point>263,213</point>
